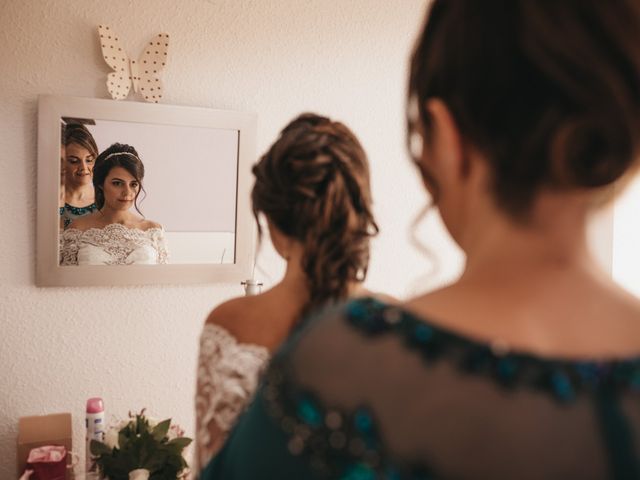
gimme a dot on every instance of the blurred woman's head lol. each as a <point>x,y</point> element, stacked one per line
<point>312,185</point>
<point>546,93</point>
<point>80,152</point>
<point>117,178</point>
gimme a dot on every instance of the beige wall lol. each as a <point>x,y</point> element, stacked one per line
<point>626,238</point>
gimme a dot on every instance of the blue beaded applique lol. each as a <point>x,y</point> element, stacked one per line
<point>69,212</point>
<point>79,211</point>
<point>562,378</point>
<point>337,445</point>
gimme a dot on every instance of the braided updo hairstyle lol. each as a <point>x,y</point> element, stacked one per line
<point>313,186</point>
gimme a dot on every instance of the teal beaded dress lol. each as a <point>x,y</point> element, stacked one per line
<point>368,391</point>
<point>69,213</point>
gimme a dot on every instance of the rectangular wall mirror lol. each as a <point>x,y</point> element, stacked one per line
<point>178,175</point>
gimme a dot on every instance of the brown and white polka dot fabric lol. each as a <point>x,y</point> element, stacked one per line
<point>143,74</point>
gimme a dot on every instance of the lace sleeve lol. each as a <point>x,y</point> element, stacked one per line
<point>227,375</point>
<point>69,243</point>
<point>161,246</point>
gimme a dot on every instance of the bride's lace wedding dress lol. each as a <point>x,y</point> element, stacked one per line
<point>228,374</point>
<point>114,244</point>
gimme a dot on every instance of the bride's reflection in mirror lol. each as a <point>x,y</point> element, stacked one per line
<point>114,234</point>
<point>79,152</point>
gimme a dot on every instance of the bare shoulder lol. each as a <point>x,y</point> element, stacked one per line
<point>624,304</point>
<point>237,316</point>
<point>584,317</point>
<point>265,319</point>
<point>149,224</point>
<point>437,299</point>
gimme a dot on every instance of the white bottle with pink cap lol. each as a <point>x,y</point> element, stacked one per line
<point>95,431</point>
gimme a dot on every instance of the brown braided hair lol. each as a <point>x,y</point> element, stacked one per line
<point>313,186</point>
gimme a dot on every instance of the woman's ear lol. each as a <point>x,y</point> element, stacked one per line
<point>444,154</point>
<point>281,243</point>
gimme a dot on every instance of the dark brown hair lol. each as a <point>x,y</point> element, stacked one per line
<point>117,155</point>
<point>313,186</point>
<point>547,90</point>
<point>80,135</point>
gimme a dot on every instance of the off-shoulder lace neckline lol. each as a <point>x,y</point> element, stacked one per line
<point>233,339</point>
<point>116,226</point>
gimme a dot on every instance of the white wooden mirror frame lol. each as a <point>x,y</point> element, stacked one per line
<point>48,272</point>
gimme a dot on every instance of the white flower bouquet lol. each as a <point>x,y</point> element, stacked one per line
<point>142,448</point>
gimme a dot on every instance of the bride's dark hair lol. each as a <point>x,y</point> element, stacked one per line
<point>313,186</point>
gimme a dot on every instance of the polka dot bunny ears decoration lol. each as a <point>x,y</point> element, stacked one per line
<point>143,73</point>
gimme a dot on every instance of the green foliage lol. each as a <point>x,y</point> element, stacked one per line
<point>141,446</point>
